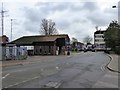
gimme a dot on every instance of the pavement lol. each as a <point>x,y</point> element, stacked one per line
<point>29,60</point>
<point>114,65</point>
<point>34,59</point>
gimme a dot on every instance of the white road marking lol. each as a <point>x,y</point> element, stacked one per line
<point>5,76</point>
<point>52,85</point>
<point>22,82</point>
<point>57,67</point>
<point>103,67</point>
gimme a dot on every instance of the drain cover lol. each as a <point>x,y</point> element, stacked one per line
<point>52,85</point>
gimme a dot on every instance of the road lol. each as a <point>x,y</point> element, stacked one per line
<point>82,70</point>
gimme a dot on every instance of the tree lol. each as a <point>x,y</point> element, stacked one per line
<point>48,27</point>
<point>74,40</point>
<point>87,39</point>
<point>112,37</point>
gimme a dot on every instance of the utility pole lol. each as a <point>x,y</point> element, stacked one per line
<point>2,19</point>
<point>11,27</point>
<point>119,12</point>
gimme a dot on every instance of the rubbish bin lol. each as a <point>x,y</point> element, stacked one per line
<point>68,53</point>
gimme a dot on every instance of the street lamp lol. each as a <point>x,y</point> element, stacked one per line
<point>11,27</point>
<point>118,11</point>
<point>2,19</point>
<point>114,6</point>
<point>118,23</point>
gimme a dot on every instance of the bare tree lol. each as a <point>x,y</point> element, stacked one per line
<point>48,27</point>
<point>44,26</point>
<point>87,39</point>
<point>74,40</point>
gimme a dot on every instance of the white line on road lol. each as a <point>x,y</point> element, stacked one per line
<point>22,82</point>
<point>57,67</point>
<point>5,76</point>
<point>103,67</point>
<point>52,85</point>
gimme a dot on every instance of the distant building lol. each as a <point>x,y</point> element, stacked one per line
<point>99,41</point>
<point>4,39</point>
<point>45,45</point>
<point>77,46</point>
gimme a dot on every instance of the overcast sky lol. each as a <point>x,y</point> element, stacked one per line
<point>75,18</point>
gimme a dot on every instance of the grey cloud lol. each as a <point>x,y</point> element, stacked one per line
<point>33,14</point>
<point>32,19</point>
<point>111,11</point>
<point>53,6</point>
<point>98,20</point>
<point>31,27</point>
<point>91,6</point>
<point>63,24</point>
<point>102,18</point>
<point>42,10</point>
<point>77,13</point>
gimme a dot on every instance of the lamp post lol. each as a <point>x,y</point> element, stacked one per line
<point>11,27</point>
<point>118,25</point>
<point>2,19</point>
<point>118,11</point>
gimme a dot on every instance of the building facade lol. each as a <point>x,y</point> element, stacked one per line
<point>77,46</point>
<point>45,45</point>
<point>99,40</point>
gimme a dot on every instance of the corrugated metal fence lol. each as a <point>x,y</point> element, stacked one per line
<point>0,52</point>
<point>13,53</point>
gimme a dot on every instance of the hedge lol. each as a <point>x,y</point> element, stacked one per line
<point>117,50</point>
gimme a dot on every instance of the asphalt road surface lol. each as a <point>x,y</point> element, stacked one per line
<point>82,70</point>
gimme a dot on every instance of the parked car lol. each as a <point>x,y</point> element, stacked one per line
<point>93,50</point>
<point>85,50</point>
<point>89,48</point>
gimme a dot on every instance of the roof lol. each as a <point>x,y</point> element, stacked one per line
<point>99,32</point>
<point>78,43</point>
<point>38,38</point>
